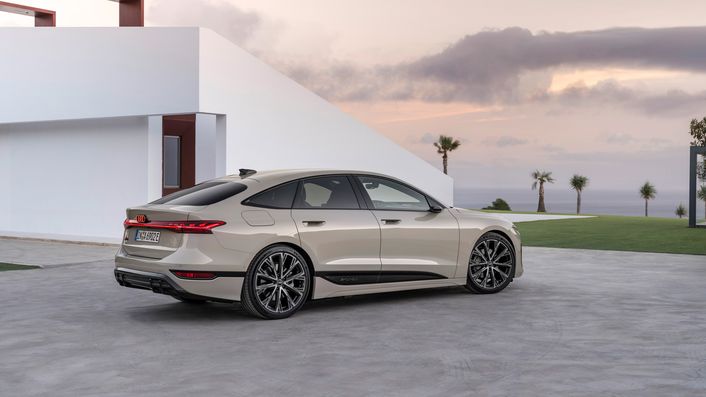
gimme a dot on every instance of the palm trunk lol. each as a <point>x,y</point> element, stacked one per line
<point>540,205</point>
<point>445,157</point>
<point>578,202</point>
<point>645,207</point>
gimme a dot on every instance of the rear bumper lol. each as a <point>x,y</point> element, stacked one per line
<point>157,283</point>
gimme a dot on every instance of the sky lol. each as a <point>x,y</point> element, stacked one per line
<point>600,88</point>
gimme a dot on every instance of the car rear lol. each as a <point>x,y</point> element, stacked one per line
<point>170,246</point>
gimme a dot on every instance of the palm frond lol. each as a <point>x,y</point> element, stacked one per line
<point>578,182</point>
<point>446,144</point>
<point>648,191</point>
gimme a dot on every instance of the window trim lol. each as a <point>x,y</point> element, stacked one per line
<point>342,176</point>
<point>369,201</point>
<point>364,201</point>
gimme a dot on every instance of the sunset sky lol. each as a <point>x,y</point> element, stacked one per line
<point>602,88</point>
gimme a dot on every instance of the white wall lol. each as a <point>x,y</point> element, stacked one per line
<point>72,178</point>
<point>210,147</point>
<point>154,157</point>
<point>76,73</point>
<point>273,122</point>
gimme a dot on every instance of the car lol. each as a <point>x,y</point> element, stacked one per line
<point>273,240</point>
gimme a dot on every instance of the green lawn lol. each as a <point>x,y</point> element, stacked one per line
<point>12,266</point>
<point>619,233</point>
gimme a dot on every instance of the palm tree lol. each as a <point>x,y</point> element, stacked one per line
<point>578,183</point>
<point>680,211</point>
<point>701,194</point>
<point>541,177</point>
<point>647,192</point>
<point>443,146</point>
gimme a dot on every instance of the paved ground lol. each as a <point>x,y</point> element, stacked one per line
<point>48,254</point>
<point>580,323</point>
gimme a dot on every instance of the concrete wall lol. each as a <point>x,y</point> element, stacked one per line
<point>72,179</point>
<point>273,122</point>
<point>77,73</point>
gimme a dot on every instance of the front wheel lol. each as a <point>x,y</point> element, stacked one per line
<point>276,284</point>
<point>492,264</point>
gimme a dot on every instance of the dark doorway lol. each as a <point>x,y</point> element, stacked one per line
<point>178,152</point>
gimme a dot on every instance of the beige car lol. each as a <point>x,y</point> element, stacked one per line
<point>273,240</point>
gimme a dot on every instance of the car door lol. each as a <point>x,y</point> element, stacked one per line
<point>416,242</point>
<point>337,230</point>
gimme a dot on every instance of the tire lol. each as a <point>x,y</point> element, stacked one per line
<point>491,265</point>
<point>276,284</point>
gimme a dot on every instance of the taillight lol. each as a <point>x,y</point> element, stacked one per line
<point>198,227</point>
<point>194,275</point>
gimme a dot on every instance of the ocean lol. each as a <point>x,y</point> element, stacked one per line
<point>598,202</point>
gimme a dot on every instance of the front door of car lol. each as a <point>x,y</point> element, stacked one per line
<point>416,243</point>
<point>334,226</point>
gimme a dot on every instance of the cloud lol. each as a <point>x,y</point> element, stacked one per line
<point>672,102</point>
<point>513,65</point>
<point>549,148</point>
<point>428,138</point>
<point>221,16</point>
<point>505,141</point>
<point>619,138</point>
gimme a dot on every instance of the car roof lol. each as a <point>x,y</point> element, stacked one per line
<point>274,177</point>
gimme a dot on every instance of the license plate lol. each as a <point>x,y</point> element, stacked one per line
<point>149,236</point>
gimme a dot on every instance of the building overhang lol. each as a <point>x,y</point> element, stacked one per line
<point>41,16</point>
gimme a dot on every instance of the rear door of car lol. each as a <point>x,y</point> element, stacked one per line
<point>337,230</point>
<point>416,243</point>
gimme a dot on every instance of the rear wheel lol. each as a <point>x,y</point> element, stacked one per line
<point>276,284</point>
<point>492,264</point>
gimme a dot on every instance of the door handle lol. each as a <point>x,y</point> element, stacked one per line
<point>313,223</point>
<point>390,221</point>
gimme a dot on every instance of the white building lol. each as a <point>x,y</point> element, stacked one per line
<point>90,118</point>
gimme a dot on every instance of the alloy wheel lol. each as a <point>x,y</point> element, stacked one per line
<point>280,282</point>
<point>491,263</point>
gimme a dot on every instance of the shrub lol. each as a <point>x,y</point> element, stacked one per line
<point>499,205</point>
<point>680,211</point>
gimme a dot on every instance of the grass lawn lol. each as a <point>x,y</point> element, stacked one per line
<point>12,266</point>
<point>619,233</point>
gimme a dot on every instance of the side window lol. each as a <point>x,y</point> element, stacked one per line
<point>280,196</point>
<point>390,195</point>
<point>326,192</point>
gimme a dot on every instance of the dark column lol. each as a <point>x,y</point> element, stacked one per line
<point>132,13</point>
<point>692,186</point>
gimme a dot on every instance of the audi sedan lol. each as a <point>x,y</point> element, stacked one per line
<point>274,240</point>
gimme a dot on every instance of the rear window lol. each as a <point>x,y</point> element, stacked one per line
<point>280,196</point>
<point>206,193</point>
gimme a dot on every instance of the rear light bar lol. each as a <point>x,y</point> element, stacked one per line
<point>197,227</point>
<point>194,275</point>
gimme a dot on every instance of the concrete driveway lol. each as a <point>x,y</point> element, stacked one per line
<point>579,323</point>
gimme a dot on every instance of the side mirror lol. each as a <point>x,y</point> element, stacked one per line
<point>435,209</point>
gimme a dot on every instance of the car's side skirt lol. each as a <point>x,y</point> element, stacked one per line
<point>376,277</point>
<point>326,289</point>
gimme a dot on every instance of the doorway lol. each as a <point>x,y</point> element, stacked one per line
<point>178,152</point>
